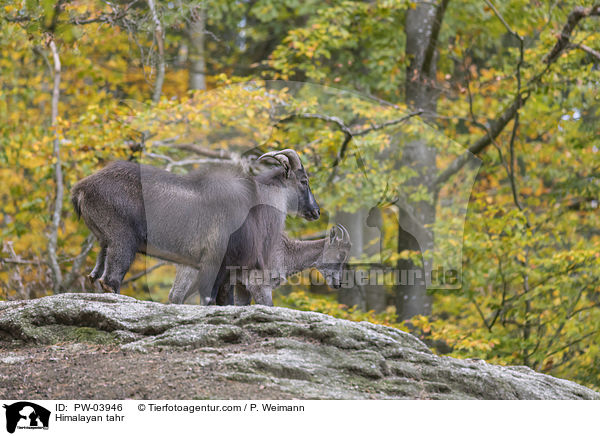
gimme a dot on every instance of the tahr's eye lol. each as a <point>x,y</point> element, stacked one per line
<point>304,182</point>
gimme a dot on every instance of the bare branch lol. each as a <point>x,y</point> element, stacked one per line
<point>328,119</point>
<point>78,262</point>
<point>7,247</point>
<point>501,18</point>
<point>496,127</point>
<point>159,156</point>
<point>171,163</point>
<point>347,130</point>
<point>18,261</point>
<point>143,273</point>
<point>576,15</point>
<point>53,236</point>
<point>185,162</point>
<point>586,49</point>
<point>510,168</point>
<point>203,151</point>
<point>118,14</point>
<point>387,123</point>
<point>21,19</point>
<point>570,344</point>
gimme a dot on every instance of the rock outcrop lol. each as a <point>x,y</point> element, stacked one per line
<point>299,354</point>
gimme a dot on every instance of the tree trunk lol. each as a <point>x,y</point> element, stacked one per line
<point>160,42</point>
<point>354,295</point>
<point>372,235</point>
<point>197,65</point>
<point>422,29</point>
<point>365,241</point>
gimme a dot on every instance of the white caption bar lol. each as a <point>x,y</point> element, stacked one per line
<point>279,418</point>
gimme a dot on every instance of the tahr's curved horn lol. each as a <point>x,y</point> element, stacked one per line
<point>291,157</point>
<point>282,159</point>
<point>345,233</point>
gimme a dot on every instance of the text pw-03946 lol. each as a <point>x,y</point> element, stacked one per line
<point>97,407</point>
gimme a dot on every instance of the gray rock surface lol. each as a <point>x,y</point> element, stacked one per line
<point>303,354</point>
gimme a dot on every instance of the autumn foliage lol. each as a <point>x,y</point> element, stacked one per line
<point>530,251</point>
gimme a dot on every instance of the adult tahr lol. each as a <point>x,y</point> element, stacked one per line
<point>189,219</point>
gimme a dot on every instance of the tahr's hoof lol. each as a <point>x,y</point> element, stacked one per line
<point>92,278</point>
<point>106,287</point>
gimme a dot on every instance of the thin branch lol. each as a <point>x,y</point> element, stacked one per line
<point>570,344</point>
<point>7,247</point>
<point>495,128</point>
<point>511,173</point>
<point>78,262</point>
<point>511,164</point>
<point>387,123</point>
<point>328,119</point>
<point>171,163</point>
<point>202,151</point>
<point>21,19</point>
<point>110,18</point>
<point>583,309</point>
<point>143,273</point>
<point>501,308</point>
<point>18,261</point>
<point>118,13</point>
<point>53,236</point>
<point>159,156</point>
<point>576,15</point>
<point>348,131</point>
<point>481,315</point>
<point>185,162</point>
<point>570,314</point>
<point>586,49</point>
<point>501,18</point>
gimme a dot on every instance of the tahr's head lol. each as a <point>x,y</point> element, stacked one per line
<point>335,255</point>
<point>300,198</point>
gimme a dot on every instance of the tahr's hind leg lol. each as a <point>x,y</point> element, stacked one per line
<point>203,283</point>
<point>119,256</point>
<point>99,268</point>
<point>219,294</point>
<point>184,279</point>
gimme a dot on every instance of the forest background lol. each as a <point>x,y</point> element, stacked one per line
<point>516,83</point>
